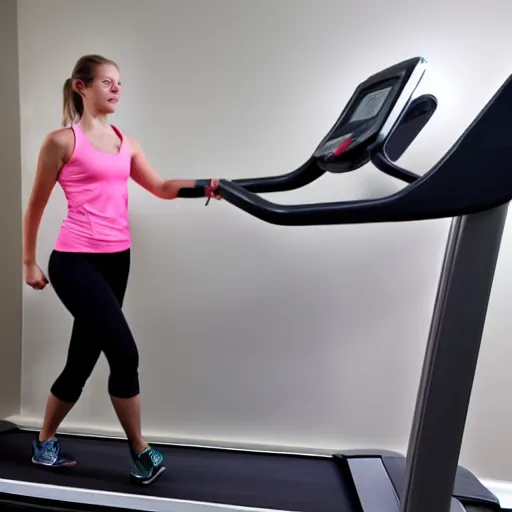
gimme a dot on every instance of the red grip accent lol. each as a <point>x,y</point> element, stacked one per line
<point>342,147</point>
<point>209,190</point>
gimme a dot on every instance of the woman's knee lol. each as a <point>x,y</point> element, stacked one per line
<point>69,385</point>
<point>124,384</point>
<point>124,374</point>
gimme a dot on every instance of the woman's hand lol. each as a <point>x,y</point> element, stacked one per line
<point>210,191</point>
<point>35,277</point>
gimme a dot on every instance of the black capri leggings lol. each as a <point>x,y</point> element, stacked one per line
<point>92,288</point>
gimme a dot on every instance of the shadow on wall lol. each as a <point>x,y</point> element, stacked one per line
<point>10,208</point>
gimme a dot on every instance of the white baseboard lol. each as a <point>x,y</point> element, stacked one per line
<point>502,490</point>
<point>90,430</point>
<point>35,423</point>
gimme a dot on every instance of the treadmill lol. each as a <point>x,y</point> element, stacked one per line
<point>472,184</point>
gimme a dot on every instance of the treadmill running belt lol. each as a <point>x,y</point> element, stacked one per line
<point>280,482</point>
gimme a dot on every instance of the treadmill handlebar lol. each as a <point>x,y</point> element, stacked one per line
<point>348,212</point>
<point>381,161</point>
<point>304,175</point>
<point>388,209</point>
<point>473,176</point>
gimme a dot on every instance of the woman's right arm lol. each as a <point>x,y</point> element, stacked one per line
<point>54,153</point>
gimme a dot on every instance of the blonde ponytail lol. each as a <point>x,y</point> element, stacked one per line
<point>69,111</point>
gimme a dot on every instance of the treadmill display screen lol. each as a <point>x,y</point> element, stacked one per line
<point>370,105</point>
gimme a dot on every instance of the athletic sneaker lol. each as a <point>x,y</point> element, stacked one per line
<point>146,466</point>
<point>49,453</point>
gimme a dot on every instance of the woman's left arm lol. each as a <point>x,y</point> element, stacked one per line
<point>143,173</point>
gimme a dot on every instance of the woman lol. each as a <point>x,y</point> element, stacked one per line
<point>89,266</point>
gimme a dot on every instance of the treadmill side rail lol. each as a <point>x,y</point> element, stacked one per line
<point>102,501</point>
<point>374,488</point>
<point>456,506</point>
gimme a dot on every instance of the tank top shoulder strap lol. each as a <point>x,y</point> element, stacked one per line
<point>79,136</point>
<point>125,140</point>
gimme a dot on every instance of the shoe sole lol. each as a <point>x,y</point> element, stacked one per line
<point>148,481</point>
<point>50,465</point>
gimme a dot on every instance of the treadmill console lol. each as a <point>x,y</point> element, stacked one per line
<point>375,107</point>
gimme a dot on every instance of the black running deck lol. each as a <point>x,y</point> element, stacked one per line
<point>279,482</point>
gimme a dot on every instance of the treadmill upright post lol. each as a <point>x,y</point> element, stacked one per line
<point>450,361</point>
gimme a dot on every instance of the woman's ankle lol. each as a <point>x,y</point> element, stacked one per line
<point>46,436</point>
<point>139,445</point>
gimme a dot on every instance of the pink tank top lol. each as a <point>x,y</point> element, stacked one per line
<point>95,184</point>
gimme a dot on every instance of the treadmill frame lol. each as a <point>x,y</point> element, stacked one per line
<point>453,346</point>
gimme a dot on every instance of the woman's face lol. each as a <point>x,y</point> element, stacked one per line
<point>103,94</point>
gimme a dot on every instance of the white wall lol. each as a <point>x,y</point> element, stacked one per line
<point>10,207</point>
<point>252,333</point>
